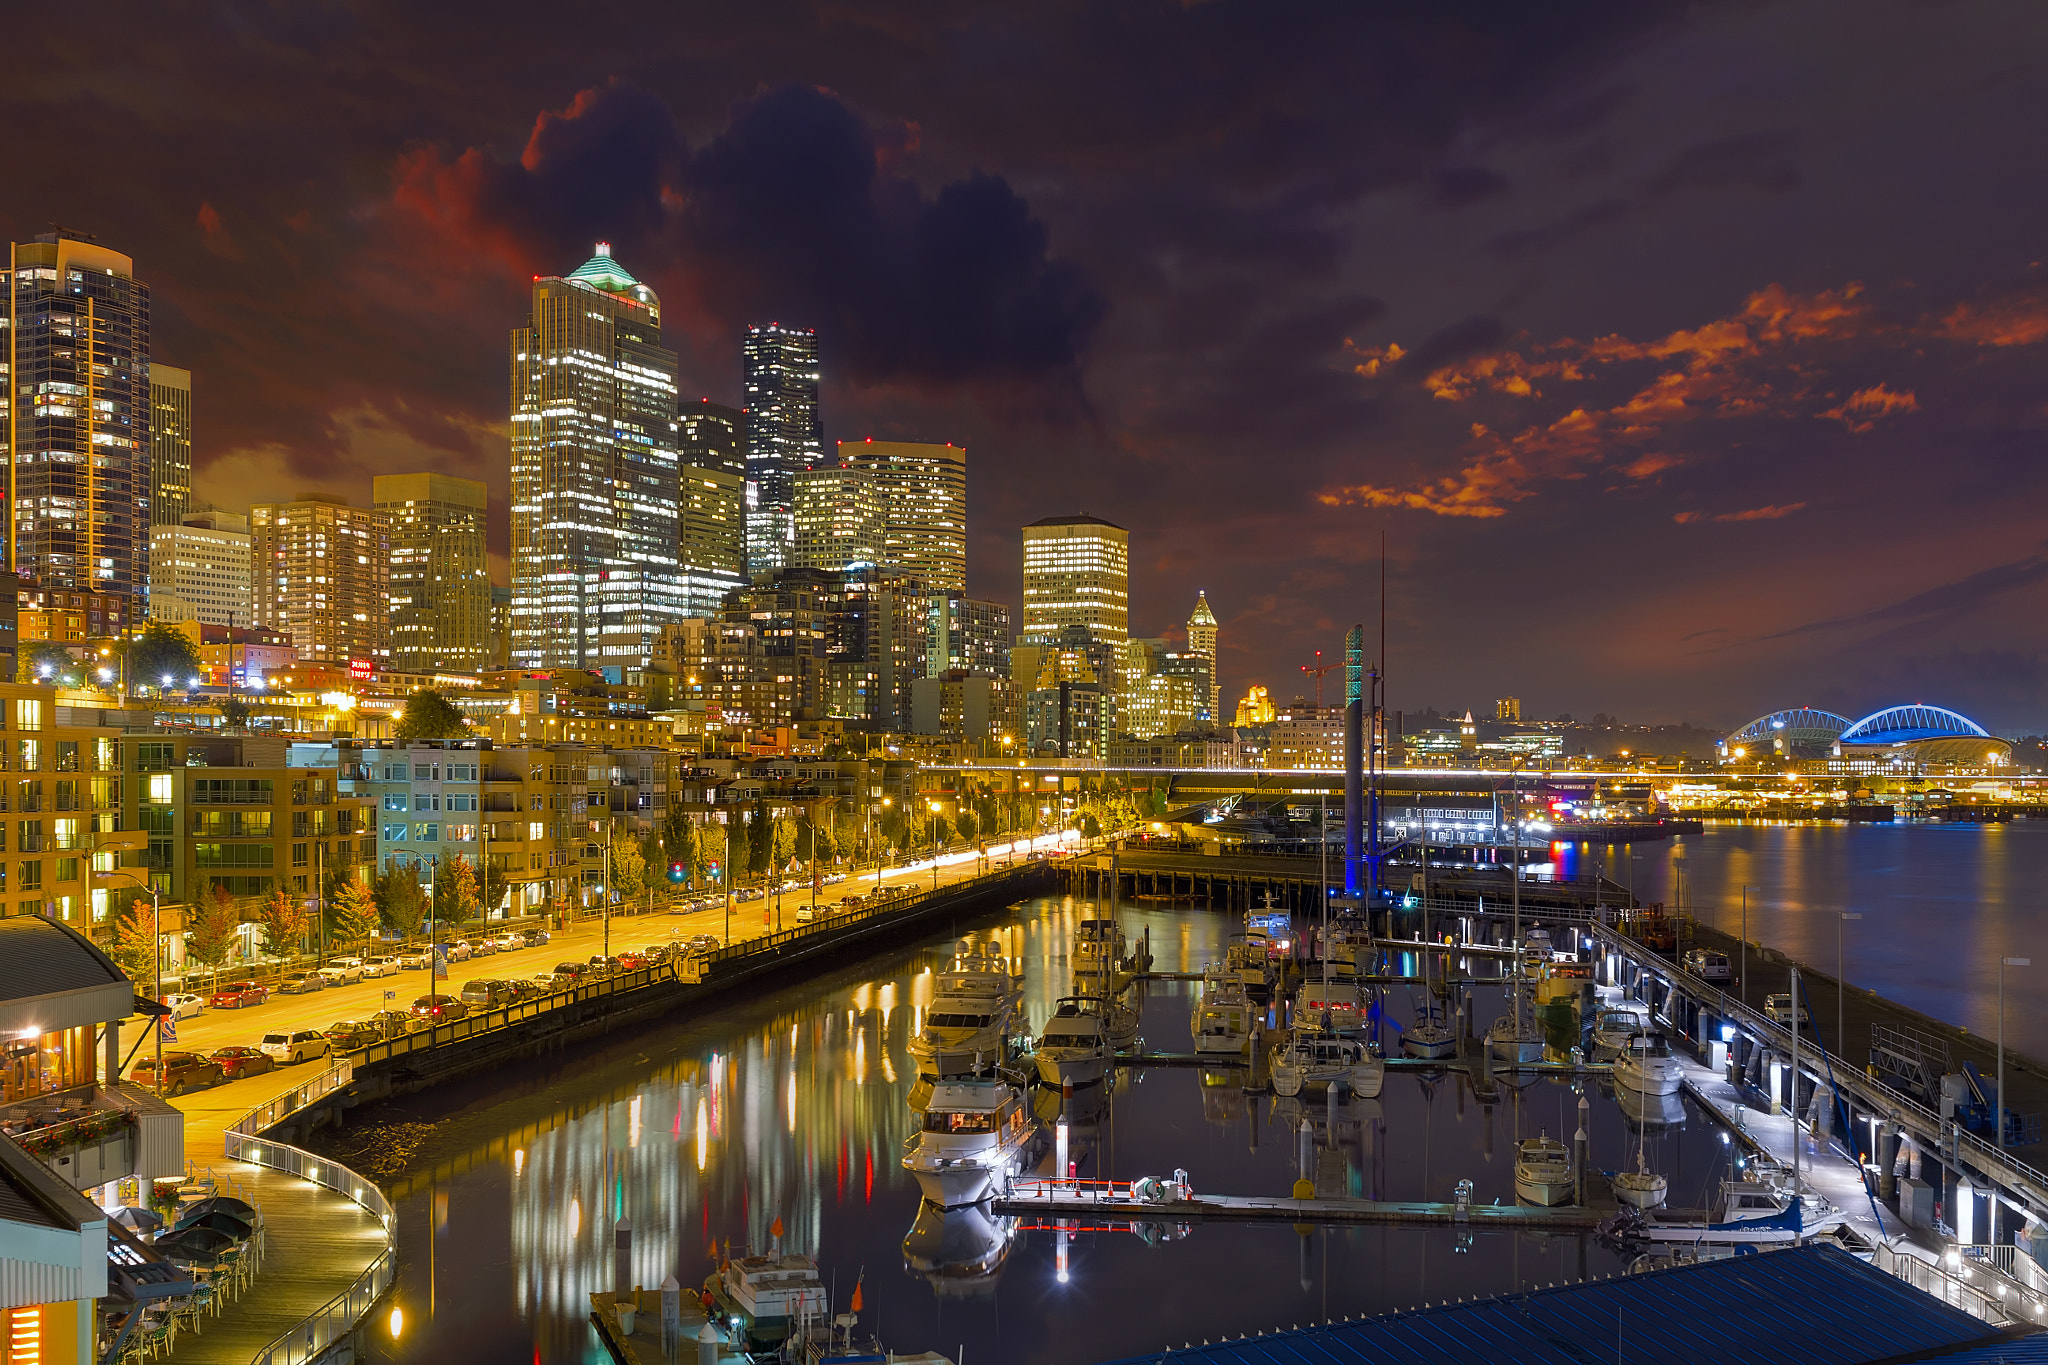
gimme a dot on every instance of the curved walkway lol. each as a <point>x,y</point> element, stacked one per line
<point>317,1243</point>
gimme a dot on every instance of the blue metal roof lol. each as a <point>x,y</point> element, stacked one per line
<point>2027,1350</point>
<point>1815,1304</point>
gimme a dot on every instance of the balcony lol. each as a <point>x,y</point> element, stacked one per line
<point>94,1134</point>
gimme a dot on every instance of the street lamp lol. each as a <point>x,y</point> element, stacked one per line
<point>1999,1113</point>
<point>1841,981</point>
<point>156,934</point>
<point>935,844</point>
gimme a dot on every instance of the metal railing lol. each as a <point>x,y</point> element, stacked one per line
<point>1951,1289</point>
<point>336,1318</point>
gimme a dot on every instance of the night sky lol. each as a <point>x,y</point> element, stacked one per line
<point>1689,358</point>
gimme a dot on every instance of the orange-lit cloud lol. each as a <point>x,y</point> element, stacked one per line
<point>1866,406</point>
<point>1771,513</point>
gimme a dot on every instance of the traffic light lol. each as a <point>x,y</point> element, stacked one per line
<point>677,874</point>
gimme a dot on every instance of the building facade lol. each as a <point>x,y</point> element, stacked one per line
<point>784,433</point>
<point>1070,720</point>
<point>595,495</point>
<point>63,789</point>
<point>1077,572</point>
<point>440,572</point>
<point>1202,645</point>
<point>321,573</point>
<point>170,444</point>
<point>921,489</point>
<point>199,570</point>
<point>970,706</point>
<point>77,419</point>
<point>970,634</point>
<point>837,512</point>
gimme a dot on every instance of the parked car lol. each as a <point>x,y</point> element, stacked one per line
<point>834,878</point>
<point>600,965</point>
<point>439,1009</point>
<point>350,964</point>
<point>482,947</point>
<point>182,1071</point>
<point>459,951</point>
<point>346,1035</point>
<point>535,937</point>
<point>290,1047</point>
<point>633,959</point>
<point>571,972</point>
<point>383,965</point>
<point>391,1023</point>
<point>184,1006</point>
<point>1708,965</point>
<point>747,893</point>
<point>300,983</point>
<point>516,991</point>
<point>485,993</point>
<point>237,1061</point>
<point>416,959</point>
<point>510,943</point>
<point>703,943</point>
<point>237,994</point>
<point>807,912</point>
<point>338,975</point>
<point>1778,1009</point>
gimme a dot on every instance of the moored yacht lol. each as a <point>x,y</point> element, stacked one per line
<point>974,1007</point>
<point>1099,946</point>
<point>763,1297</point>
<point>1648,1067</point>
<point>975,1135</point>
<point>1247,960</point>
<point>1614,1026</point>
<point>1428,1039</point>
<point>1543,1171</point>
<point>1515,1038</point>
<point>1075,1046</point>
<point>1330,1002</point>
<point>1311,1059</point>
<point>1750,1213</point>
<point>1223,1018</point>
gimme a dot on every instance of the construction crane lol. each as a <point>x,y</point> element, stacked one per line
<point>1319,668</point>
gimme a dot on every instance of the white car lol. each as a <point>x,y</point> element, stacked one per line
<point>289,1049</point>
<point>1708,965</point>
<point>508,943</point>
<point>416,958</point>
<point>185,1006</point>
<point>380,966</point>
<point>1778,1009</point>
<point>339,975</point>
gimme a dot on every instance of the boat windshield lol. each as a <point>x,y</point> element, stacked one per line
<point>957,1020</point>
<point>1649,1045</point>
<point>1066,1038</point>
<point>936,1122</point>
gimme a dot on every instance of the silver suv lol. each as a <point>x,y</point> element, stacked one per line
<point>299,1045</point>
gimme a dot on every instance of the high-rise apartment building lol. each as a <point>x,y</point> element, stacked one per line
<point>712,436</point>
<point>711,556</point>
<point>1077,571</point>
<point>322,575</point>
<point>837,514</point>
<point>968,634</point>
<point>170,445</point>
<point>783,435</point>
<point>1202,645</point>
<point>923,493</point>
<point>440,575</point>
<point>199,570</point>
<point>595,515</point>
<point>75,420</point>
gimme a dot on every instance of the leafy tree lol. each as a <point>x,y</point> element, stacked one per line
<point>400,899</point>
<point>455,891</point>
<point>492,885</point>
<point>968,825</point>
<point>429,715</point>
<point>38,655</point>
<point>736,835</point>
<point>1091,827</point>
<point>760,838</point>
<point>629,869</point>
<point>134,945</point>
<point>234,712</point>
<point>352,912</point>
<point>782,842</point>
<point>679,838</point>
<point>210,928</point>
<point>163,651</point>
<point>285,923</point>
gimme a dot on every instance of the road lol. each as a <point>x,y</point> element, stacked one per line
<point>217,1028</point>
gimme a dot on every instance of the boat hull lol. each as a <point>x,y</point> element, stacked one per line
<point>1429,1044</point>
<point>1547,1191</point>
<point>938,1058</point>
<point>1516,1049</point>
<point>1639,1190</point>
<point>1660,1076</point>
<point>1070,1068</point>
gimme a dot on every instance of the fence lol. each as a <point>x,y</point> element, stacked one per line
<point>1949,1288</point>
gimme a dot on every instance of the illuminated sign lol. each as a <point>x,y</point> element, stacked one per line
<point>361,669</point>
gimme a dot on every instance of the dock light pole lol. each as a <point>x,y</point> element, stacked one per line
<point>1999,1111</point>
<point>1841,983</point>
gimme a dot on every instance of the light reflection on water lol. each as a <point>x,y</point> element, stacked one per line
<point>791,1105</point>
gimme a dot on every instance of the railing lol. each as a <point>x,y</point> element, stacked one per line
<point>336,1318</point>
<point>2009,1262</point>
<point>1951,1289</point>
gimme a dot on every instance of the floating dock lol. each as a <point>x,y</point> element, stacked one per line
<point>1098,1199</point>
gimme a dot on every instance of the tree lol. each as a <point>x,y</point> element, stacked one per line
<point>211,927</point>
<point>678,838</point>
<point>285,923</point>
<point>134,945</point>
<point>163,651</point>
<point>400,899</point>
<point>493,884</point>
<point>234,711</point>
<point>455,891</point>
<point>760,838</point>
<point>45,661</point>
<point>352,912</point>
<point>782,842</point>
<point>968,824</point>
<point>629,869</point>
<point>429,715</point>
<point>1091,827</point>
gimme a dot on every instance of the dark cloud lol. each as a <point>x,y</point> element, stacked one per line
<point>1973,593</point>
<point>1454,187</point>
<point>1463,338</point>
<point>1750,161</point>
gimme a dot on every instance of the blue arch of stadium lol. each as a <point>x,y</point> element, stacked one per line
<point>1893,725</point>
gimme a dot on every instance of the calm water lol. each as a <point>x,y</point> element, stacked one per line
<point>706,1129</point>
<point>1941,904</point>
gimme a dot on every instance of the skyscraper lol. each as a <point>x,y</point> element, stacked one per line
<point>783,435</point>
<point>595,516</point>
<point>1077,571</point>
<point>712,436</point>
<point>170,444</point>
<point>199,571</point>
<point>322,574</point>
<point>837,514</point>
<point>923,493</point>
<point>440,577</point>
<point>1202,644</point>
<point>712,555</point>
<point>76,420</point>
<point>965,633</point>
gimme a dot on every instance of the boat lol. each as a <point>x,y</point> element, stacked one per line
<point>975,1135</point>
<point>1543,1171</point>
<point>1751,1213</point>
<point>1312,1059</point>
<point>1515,1038</point>
<point>1246,959</point>
<point>1614,1026</point>
<point>1646,1109</point>
<point>960,1252</point>
<point>1223,1019</point>
<point>1641,1188</point>
<point>1081,1037</point>
<point>1648,1067</point>
<point>1098,946</point>
<point>821,1340</point>
<point>763,1298</point>
<point>1331,1004</point>
<point>974,1007</point>
<point>1428,1039</point>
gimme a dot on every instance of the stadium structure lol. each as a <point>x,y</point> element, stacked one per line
<point>1909,738</point>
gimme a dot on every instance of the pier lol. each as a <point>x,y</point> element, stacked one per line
<point>1114,1199</point>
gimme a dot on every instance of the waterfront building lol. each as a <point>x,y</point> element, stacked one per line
<point>76,421</point>
<point>64,788</point>
<point>244,656</point>
<point>170,445</point>
<point>837,512</point>
<point>1077,572</point>
<point>1208,749</point>
<point>440,571</point>
<point>779,377</point>
<point>968,633</point>
<point>321,573</point>
<point>595,514</point>
<point>1304,735</point>
<point>921,489</point>
<point>199,570</point>
<point>67,617</point>
<point>1202,630</point>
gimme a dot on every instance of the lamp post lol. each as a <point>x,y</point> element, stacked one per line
<point>1999,1111</point>
<point>935,844</point>
<point>1841,981</point>
<point>156,934</point>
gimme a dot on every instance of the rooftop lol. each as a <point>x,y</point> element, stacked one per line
<point>1081,520</point>
<point>602,272</point>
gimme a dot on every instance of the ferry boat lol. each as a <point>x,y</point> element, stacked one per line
<point>975,1135</point>
<point>1648,1067</point>
<point>1543,1171</point>
<point>762,1298</point>
<point>1223,1018</point>
<point>1614,1026</point>
<point>1099,946</point>
<point>1081,1037</point>
<point>1312,1059</point>
<point>974,1007</point>
<point>1751,1214</point>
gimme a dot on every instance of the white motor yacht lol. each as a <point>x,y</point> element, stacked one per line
<point>975,1136</point>
<point>1246,959</point>
<point>1614,1026</point>
<point>1074,1047</point>
<point>1750,1213</point>
<point>1648,1067</point>
<point>764,1296</point>
<point>1310,1059</point>
<point>1543,1171</point>
<point>1332,1004</point>
<point>1224,1017</point>
<point>1099,946</point>
<point>973,1010</point>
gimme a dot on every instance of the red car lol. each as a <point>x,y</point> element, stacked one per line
<point>238,1061</point>
<point>236,994</point>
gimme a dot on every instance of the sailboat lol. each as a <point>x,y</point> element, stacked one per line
<point>1514,1037</point>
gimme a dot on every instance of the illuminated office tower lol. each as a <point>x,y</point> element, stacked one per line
<point>712,436</point>
<point>838,518</point>
<point>170,444</point>
<point>712,556</point>
<point>322,575</point>
<point>440,575</point>
<point>969,635</point>
<point>923,493</point>
<point>1077,572</point>
<point>783,435</point>
<point>199,571</point>
<point>595,516</point>
<point>1202,645</point>
<point>75,421</point>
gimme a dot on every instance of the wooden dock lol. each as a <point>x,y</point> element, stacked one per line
<point>1050,1199</point>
